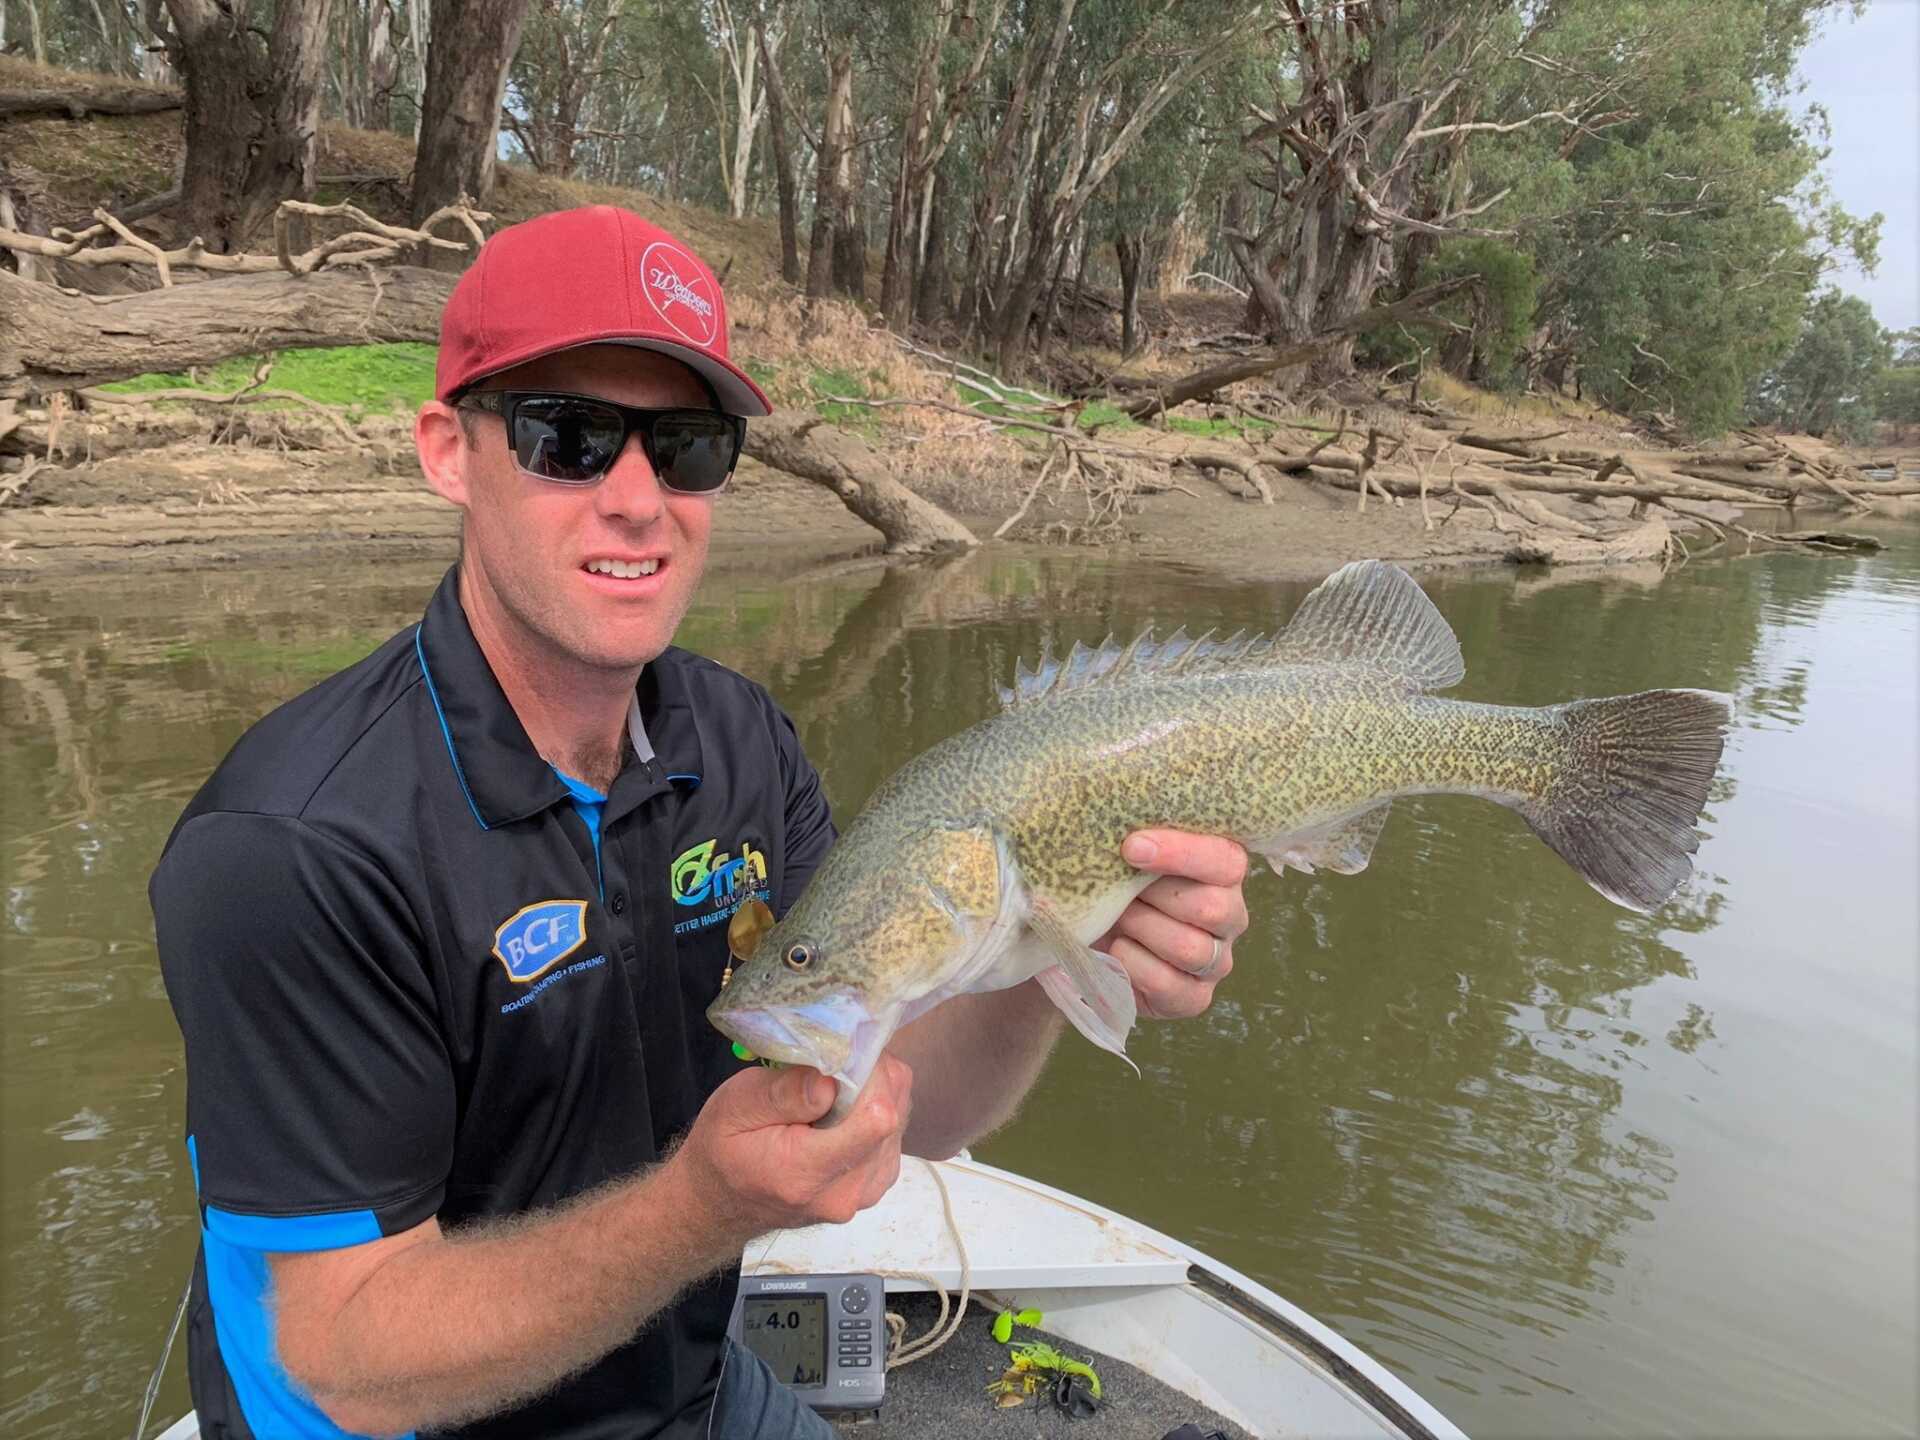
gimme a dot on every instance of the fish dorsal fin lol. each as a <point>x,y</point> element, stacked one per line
<point>1370,612</point>
<point>1366,613</point>
<point>1144,659</point>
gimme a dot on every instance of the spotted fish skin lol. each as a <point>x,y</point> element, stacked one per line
<point>994,856</point>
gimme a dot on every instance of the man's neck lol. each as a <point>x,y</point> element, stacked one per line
<point>575,715</point>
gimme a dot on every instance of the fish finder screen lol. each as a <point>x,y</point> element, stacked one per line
<point>789,1332</point>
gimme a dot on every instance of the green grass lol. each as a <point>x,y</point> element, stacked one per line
<point>828,380</point>
<point>1243,428</point>
<point>364,378</point>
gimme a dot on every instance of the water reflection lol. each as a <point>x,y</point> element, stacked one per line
<point>1505,1135</point>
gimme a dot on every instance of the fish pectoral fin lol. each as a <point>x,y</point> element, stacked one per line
<point>1090,987</point>
<point>1344,848</point>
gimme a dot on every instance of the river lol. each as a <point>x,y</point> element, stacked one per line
<point>1567,1170</point>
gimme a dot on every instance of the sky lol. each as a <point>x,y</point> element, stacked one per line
<point>1866,72</point>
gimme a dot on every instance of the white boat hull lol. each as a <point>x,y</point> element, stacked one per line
<point>1114,1286</point>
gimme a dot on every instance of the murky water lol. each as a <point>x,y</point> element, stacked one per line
<point>1568,1170</point>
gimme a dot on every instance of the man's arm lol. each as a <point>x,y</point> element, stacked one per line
<point>976,1056</point>
<point>426,1328</point>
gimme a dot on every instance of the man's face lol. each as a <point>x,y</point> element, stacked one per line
<point>530,543</point>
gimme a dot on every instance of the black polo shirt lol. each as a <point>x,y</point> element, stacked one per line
<point>420,972</point>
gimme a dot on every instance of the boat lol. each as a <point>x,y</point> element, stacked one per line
<point>1109,1289</point>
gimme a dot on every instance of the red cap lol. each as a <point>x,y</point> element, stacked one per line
<point>578,277</point>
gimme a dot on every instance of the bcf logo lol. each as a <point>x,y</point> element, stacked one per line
<point>539,936</point>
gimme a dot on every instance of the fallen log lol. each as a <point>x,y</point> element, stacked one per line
<point>1334,472</point>
<point>1524,447</point>
<point>78,104</point>
<point>1829,539</point>
<point>1160,396</point>
<point>807,446</point>
<point>1792,486</point>
<point>1649,541</point>
<point>54,341</point>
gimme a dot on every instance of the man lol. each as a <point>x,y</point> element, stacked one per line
<point>468,1156</point>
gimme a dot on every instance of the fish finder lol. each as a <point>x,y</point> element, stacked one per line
<point>823,1336</point>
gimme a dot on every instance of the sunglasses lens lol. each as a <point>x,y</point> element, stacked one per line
<point>566,440</point>
<point>694,451</point>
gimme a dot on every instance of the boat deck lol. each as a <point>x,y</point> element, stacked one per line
<point>945,1394</point>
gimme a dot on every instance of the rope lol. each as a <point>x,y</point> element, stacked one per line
<point>904,1353</point>
<point>166,1352</point>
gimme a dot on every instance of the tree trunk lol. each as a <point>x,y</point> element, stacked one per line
<point>903,220</point>
<point>806,446</point>
<point>56,341</point>
<point>252,114</point>
<point>1051,306</point>
<point>383,65</point>
<point>931,301</point>
<point>473,44</point>
<point>833,195</point>
<point>782,161</point>
<point>1126,249</point>
<point>746,122</point>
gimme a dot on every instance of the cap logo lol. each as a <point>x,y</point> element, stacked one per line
<point>680,293</point>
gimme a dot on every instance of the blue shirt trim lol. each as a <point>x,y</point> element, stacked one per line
<point>591,804</point>
<point>446,733</point>
<point>238,1280</point>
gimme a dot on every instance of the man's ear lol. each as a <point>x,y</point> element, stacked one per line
<point>441,442</point>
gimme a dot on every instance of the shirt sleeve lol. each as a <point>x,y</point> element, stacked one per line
<point>809,828</point>
<point>320,1096</point>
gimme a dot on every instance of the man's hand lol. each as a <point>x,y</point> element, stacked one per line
<point>754,1158</point>
<point>1176,938</point>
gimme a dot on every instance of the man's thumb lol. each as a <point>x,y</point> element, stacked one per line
<point>798,1095</point>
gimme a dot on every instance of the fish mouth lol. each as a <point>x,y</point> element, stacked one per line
<point>839,1037</point>
<point>820,1034</point>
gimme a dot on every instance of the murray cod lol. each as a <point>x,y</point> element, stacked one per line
<point>994,857</point>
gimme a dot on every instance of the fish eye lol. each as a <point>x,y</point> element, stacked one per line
<point>798,957</point>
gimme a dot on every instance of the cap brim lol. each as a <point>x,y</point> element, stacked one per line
<point>737,393</point>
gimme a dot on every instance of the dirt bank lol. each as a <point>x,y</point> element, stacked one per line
<point>188,507</point>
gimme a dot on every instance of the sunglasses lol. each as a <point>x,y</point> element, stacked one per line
<point>574,439</point>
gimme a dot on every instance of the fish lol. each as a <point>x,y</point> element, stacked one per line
<point>993,857</point>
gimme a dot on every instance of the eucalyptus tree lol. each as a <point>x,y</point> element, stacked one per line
<point>252,74</point>
<point>1830,382</point>
<point>1676,250</point>
<point>949,45</point>
<point>1078,84</point>
<point>473,44</point>
<point>556,83</point>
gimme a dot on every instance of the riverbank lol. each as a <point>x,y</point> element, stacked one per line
<point>193,505</point>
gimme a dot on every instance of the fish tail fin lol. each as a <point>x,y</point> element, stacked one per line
<point>1636,775</point>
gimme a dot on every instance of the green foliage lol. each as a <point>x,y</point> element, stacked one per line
<point>1675,243</point>
<point>1489,324</point>
<point>1896,396</point>
<point>364,378</point>
<point>1831,382</point>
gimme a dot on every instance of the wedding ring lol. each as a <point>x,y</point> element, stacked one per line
<point>1213,965</point>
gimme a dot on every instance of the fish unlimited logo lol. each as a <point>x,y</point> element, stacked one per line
<point>706,875</point>
<point>539,936</point>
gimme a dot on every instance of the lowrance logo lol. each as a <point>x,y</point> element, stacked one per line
<point>783,1284</point>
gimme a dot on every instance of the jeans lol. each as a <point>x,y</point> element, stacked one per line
<point>752,1405</point>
